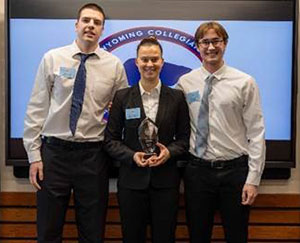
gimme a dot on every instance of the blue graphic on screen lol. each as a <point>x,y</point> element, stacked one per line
<point>262,49</point>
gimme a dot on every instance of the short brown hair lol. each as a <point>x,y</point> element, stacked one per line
<point>149,41</point>
<point>203,28</point>
<point>93,6</point>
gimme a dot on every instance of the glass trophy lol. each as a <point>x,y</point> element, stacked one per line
<point>148,136</point>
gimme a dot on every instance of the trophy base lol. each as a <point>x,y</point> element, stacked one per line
<point>148,155</point>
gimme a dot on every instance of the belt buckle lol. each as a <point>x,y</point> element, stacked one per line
<point>217,165</point>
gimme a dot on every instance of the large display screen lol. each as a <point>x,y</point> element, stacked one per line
<point>262,46</point>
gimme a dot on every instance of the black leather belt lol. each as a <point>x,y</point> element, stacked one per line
<point>69,144</point>
<point>220,164</point>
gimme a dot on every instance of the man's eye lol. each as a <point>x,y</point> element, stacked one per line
<point>98,22</point>
<point>85,20</point>
<point>214,41</point>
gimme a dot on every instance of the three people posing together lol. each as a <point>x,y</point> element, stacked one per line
<point>214,113</point>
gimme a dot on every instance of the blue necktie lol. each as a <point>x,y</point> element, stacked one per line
<point>203,117</point>
<point>78,93</point>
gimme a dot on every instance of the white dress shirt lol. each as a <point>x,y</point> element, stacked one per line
<point>150,100</point>
<point>49,107</point>
<point>236,124</point>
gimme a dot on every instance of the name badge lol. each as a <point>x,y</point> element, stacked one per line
<point>133,113</point>
<point>193,96</point>
<point>67,72</point>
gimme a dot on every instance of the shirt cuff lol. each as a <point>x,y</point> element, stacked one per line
<point>253,178</point>
<point>34,156</point>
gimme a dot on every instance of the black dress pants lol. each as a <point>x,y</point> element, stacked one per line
<point>83,170</point>
<point>208,189</point>
<point>158,206</point>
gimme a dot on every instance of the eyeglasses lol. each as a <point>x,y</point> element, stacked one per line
<point>206,42</point>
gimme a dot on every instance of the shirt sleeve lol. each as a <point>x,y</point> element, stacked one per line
<point>179,85</point>
<point>254,122</point>
<point>121,78</point>
<point>37,111</point>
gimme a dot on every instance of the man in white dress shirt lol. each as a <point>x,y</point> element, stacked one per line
<point>63,134</point>
<point>227,146</point>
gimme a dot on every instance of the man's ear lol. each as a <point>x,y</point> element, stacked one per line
<point>76,25</point>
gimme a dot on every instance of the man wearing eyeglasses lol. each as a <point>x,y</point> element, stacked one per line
<point>227,146</point>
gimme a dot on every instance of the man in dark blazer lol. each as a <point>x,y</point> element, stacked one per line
<point>148,188</point>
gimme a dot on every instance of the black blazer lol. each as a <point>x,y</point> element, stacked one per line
<point>121,137</point>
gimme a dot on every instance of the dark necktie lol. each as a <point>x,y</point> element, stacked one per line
<point>203,118</point>
<point>78,93</point>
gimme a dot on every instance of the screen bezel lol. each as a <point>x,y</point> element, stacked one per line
<point>280,153</point>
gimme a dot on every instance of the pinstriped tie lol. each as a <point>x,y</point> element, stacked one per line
<point>78,93</point>
<point>203,118</point>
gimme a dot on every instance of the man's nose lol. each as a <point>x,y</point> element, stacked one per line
<point>211,46</point>
<point>91,24</point>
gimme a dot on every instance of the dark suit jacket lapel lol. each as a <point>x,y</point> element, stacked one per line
<point>136,100</point>
<point>162,105</point>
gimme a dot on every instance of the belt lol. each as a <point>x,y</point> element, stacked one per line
<point>69,144</point>
<point>220,164</point>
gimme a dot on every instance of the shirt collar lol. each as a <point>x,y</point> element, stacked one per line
<point>156,89</point>
<point>217,74</point>
<point>75,50</point>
